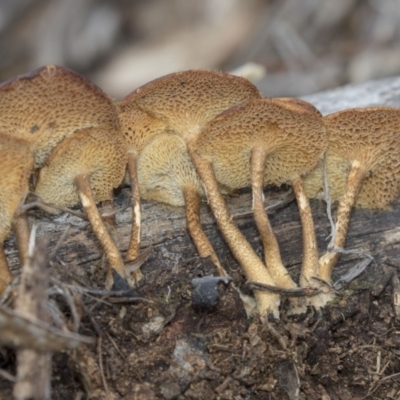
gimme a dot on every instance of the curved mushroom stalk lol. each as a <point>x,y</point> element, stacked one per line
<point>272,254</point>
<point>203,245</point>
<point>134,242</point>
<point>354,182</point>
<point>310,268</point>
<point>254,269</point>
<point>99,229</point>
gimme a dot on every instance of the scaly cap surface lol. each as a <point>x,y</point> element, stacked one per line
<point>50,103</point>
<point>186,100</point>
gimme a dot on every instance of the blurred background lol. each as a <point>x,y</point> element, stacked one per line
<point>305,46</point>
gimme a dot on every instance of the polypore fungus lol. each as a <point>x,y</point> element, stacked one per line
<point>50,103</point>
<point>16,163</point>
<point>158,119</point>
<point>362,166</point>
<point>86,167</point>
<point>256,143</point>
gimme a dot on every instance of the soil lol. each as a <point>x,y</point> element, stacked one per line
<point>158,345</point>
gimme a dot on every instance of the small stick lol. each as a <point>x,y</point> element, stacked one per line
<point>294,292</point>
<point>33,367</point>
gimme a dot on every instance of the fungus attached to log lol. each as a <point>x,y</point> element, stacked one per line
<point>180,104</point>
<point>257,143</point>
<point>16,163</point>
<point>362,166</point>
<point>86,167</point>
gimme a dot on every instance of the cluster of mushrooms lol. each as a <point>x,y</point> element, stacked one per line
<point>183,138</point>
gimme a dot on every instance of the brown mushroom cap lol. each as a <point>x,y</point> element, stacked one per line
<point>186,100</point>
<point>50,103</point>
<point>96,152</point>
<point>16,163</point>
<point>228,140</point>
<point>370,136</point>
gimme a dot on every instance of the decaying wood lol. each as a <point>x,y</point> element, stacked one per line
<point>163,227</point>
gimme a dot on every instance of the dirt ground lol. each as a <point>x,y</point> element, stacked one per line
<point>158,345</point>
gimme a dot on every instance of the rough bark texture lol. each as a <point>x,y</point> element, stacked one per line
<point>163,227</point>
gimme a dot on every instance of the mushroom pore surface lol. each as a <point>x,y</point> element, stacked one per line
<point>99,153</point>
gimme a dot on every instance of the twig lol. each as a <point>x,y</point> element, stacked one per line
<point>103,377</point>
<point>295,292</point>
<point>33,367</point>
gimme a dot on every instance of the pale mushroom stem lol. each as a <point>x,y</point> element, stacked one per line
<point>21,230</point>
<point>5,274</point>
<point>354,181</point>
<point>310,249</point>
<point>134,243</point>
<point>99,229</point>
<point>203,245</point>
<point>253,267</point>
<point>272,254</point>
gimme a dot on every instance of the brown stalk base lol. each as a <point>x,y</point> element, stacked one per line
<point>109,246</point>
<point>271,247</point>
<point>203,245</point>
<point>134,243</point>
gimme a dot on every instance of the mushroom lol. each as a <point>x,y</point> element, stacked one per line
<point>16,163</point>
<point>162,115</point>
<point>262,142</point>
<point>45,105</point>
<point>363,168</point>
<point>86,167</point>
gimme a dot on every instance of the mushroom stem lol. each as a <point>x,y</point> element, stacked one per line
<point>203,245</point>
<point>253,267</point>
<point>354,181</point>
<point>22,234</point>
<point>272,254</point>
<point>99,229</point>
<point>134,243</point>
<point>5,274</point>
<point>310,249</point>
